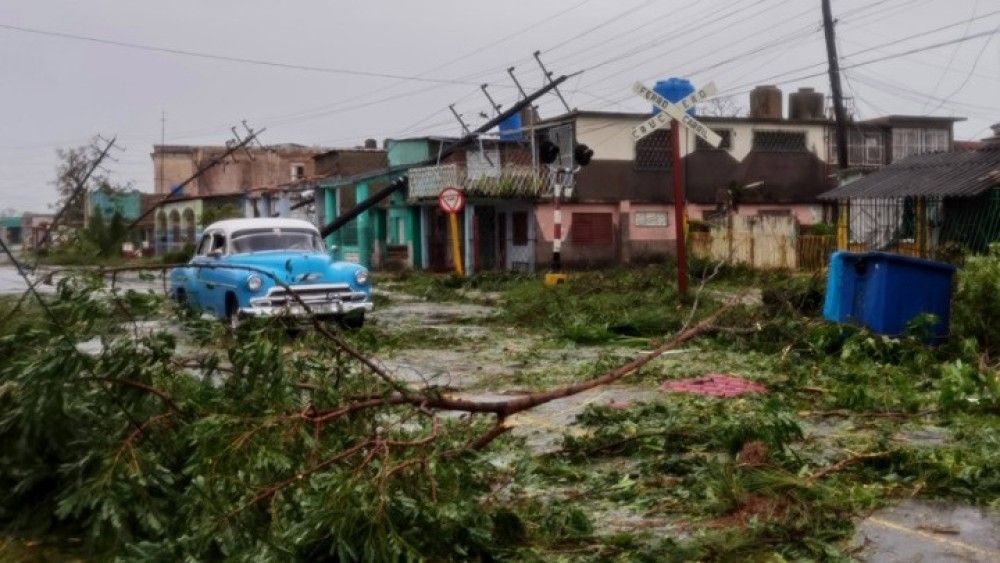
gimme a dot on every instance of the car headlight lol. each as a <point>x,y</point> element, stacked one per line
<point>254,282</point>
<point>361,276</point>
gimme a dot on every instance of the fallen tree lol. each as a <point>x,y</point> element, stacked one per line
<point>251,447</point>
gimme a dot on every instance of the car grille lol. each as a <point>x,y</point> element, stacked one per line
<point>311,294</point>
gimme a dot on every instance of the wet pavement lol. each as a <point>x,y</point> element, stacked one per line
<point>925,531</point>
<point>11,282</point>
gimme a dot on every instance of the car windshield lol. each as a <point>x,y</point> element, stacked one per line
<point>261,240</point>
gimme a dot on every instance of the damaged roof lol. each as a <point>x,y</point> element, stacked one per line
<point>943,174</point>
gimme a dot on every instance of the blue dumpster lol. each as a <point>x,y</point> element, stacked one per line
<point>884,292</point>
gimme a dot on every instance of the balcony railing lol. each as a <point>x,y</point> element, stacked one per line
<point>501,182</point>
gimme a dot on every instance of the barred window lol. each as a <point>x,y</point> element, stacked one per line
<point>592,229</point>
<point>781,141</point>
<point>653,152</point>
<point>726,143</point>
<point>907,142</point>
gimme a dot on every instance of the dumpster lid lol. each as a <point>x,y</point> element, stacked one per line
<point>899,259</point>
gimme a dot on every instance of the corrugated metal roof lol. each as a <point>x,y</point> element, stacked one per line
<point>951,174</point>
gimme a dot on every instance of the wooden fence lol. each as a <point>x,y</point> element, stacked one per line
<point>763,242</point>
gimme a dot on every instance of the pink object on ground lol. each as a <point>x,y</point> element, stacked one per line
<point>714,385</point>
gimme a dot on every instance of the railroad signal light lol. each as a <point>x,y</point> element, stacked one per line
<point>548,152</point>
<point>582,155</point>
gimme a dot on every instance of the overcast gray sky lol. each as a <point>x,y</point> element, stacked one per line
<point>59,91</point>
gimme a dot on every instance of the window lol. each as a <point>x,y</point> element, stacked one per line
<point>779,141</point>
<point>652,152</point>
<point>298,171</point>
<point>908,142</point>
<point>218,243</point>
<point>592,229</point>
<point>519,228</point>
<point>204,245</point>
<point>262,240</point>
<point>864,148</point>
<point>726,143</point>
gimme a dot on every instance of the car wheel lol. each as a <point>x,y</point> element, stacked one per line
<point>234,318</point>
<point>353,322</point>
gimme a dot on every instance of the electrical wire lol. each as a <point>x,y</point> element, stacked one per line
<point>227,58</point>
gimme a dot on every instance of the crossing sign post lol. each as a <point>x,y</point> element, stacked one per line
<point>676,114</point>
<point>451,200</point>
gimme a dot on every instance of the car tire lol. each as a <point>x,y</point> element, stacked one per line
<point>234,318</point>
<point>353,322</point>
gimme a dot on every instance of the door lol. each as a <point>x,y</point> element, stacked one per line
<point>211,284</point>
<point>521,248</point>
<point>438,241</point>
<point>485,239</point>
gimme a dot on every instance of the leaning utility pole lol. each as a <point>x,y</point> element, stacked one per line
<point>838,95</point>
<point>233,147</point>
<point>843,211</point>
<point>464,141</point>
<point>81,186</point>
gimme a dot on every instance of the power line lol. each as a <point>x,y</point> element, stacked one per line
<point>970,73</point>
<point>227,58</point>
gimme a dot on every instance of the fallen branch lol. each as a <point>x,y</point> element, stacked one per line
<point>505,408</point>
<point>162,395</point>
<point>854,458</point>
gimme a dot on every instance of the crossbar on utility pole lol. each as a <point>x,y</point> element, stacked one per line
<point>211,164</point>
<point>401,183</point>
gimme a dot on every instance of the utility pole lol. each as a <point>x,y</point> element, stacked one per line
<point>463,142</point>
<point>840,123</point>
<point>233,147</point>
<point>838,95</point>
<point>81,186</point>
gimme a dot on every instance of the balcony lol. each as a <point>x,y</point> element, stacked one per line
<point>507,181</point>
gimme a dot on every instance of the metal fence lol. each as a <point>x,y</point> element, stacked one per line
<point>937,228</point>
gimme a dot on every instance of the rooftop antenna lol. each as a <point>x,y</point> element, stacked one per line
<point>548,76</point>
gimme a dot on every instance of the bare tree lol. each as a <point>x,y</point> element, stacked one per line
<point>721,107</point>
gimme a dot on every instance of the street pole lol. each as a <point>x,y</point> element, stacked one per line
<point>840,123</point>
<point>678,172</point>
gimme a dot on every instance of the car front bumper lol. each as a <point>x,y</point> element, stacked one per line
<point>333,308</point>
<point>297,301</point>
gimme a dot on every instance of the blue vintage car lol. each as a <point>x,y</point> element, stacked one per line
<point>292,251</point>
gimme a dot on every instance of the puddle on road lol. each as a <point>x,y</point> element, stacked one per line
<point>918,531</point>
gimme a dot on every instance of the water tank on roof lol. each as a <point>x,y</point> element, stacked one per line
<point>510,128</point>
<point>674,90</point>
<point>807,103</point>
<point>765,102</point>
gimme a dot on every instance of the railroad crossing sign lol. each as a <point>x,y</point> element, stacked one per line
<point>451,200</point>
<point>676,111</point>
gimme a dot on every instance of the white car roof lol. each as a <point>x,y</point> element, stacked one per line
<point>231,225</point>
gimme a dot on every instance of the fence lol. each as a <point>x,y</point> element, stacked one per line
<point>937,228</point>
<point>763,242</point>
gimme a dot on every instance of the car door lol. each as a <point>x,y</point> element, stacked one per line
<point>212,282</point>
<point>194,283</point>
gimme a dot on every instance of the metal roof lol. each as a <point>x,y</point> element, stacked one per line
<point>942,174</point>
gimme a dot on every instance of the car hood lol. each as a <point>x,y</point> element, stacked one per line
<point>293,267</point>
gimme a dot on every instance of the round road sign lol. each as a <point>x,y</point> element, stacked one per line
<point>451,200</point>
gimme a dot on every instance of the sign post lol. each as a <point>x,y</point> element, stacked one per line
<point>676,114</point>
<point>451,200</point>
